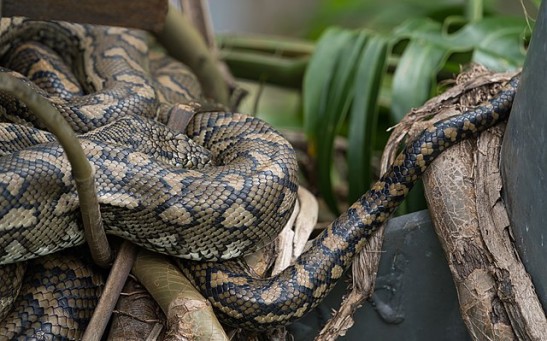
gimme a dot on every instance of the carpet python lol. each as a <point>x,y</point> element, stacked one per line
<point>220,190</point>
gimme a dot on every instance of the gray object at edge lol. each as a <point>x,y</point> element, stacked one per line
<point>524,160</point>
<point>414,298</point>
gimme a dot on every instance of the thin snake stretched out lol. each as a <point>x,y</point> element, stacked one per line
<point>221,190</point>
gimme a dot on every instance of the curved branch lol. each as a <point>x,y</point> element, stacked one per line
<point>82,171</point>
<point>188,313</point>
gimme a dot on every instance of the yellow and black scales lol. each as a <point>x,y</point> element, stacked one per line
<point>221,190</point>
<point>252,303</point>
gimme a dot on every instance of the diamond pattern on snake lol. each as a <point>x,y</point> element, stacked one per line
<point>206,196</point>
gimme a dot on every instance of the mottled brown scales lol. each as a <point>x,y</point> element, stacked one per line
<point>139,44</point>
<point>68,84</point>
<point>301,311</point>
<point>451,133</point>
<point>271,294</point>
<point>468,125</point>
<point>427,148</point>
<point>227,310</point>
<point>225,296</point>
<point>23,217</point>
<point>367,219</point>
<point>265,319</point>
<point>303,277</point>
<point>334,242</point>
<point>243,169</point>
<point>362,213</point>
<point>378,186</point>
<point>399,160</point>
<point>239,215</point>
<point>320,291</point>
<point>381,218</point>
<point>235,180</point>
<point>378,201</point>
<point>236,280</point>
<point>336,272</point>
<point>421,161</point>
<point>46,282</point>
<point>398,189</point>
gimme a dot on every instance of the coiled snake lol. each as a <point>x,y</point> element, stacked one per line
<point>221,190</point>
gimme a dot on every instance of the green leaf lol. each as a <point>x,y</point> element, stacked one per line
<point>474,10</point>
<point>338,67</point>
<point>317,77</point>
<point>414,76</point>
<point>496,43</point>
<point>469,37</point>
<point>501,47</point>
<point>339,97</point>
<point>500,52</point>
<point>364,115</point>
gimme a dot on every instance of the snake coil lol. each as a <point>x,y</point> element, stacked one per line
<point>220,190</point>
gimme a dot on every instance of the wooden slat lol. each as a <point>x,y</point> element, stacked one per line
<point>143,14</point>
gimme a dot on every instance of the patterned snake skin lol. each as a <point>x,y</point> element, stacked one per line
<point>221,190</point>
<point>260,304</point>
<point>56,298</point>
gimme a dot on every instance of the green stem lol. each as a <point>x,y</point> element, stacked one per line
<point>184,43</point>
<point>270,45</point>
<point>82,170</point>
<point>271,59</point>
<point>474,10</point>
<point>276,70</point>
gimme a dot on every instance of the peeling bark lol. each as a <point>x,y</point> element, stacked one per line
<point>497,297</point>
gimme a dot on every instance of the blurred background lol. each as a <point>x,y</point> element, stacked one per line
<point>347,70</point>
<point>307,18</point>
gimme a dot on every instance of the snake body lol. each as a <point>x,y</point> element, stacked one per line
<point>260,304</point>
<point>56,298</point>
<point>222,189</point>
<point>153,184</point>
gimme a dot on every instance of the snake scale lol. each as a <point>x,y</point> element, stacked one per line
<point>220,190</point>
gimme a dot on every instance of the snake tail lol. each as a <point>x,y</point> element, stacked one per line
<point>259,304</point>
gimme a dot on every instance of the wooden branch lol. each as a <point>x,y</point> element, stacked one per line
<point>113,287</point>
<point>449,189</point>
<point>462,187</point>
<point>514,286</point>
<point>143,14</point>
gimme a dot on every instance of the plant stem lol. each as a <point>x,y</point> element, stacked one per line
<point>82,171</point>
<point>474,10</point>
<point>185,43</point>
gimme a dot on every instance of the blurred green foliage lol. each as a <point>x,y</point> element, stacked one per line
<point>381,59</point>
<point>383,15</point>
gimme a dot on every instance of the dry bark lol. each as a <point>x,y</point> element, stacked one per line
<point>137,315</point>
<point>364,270</point>
<point>497,297</point>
